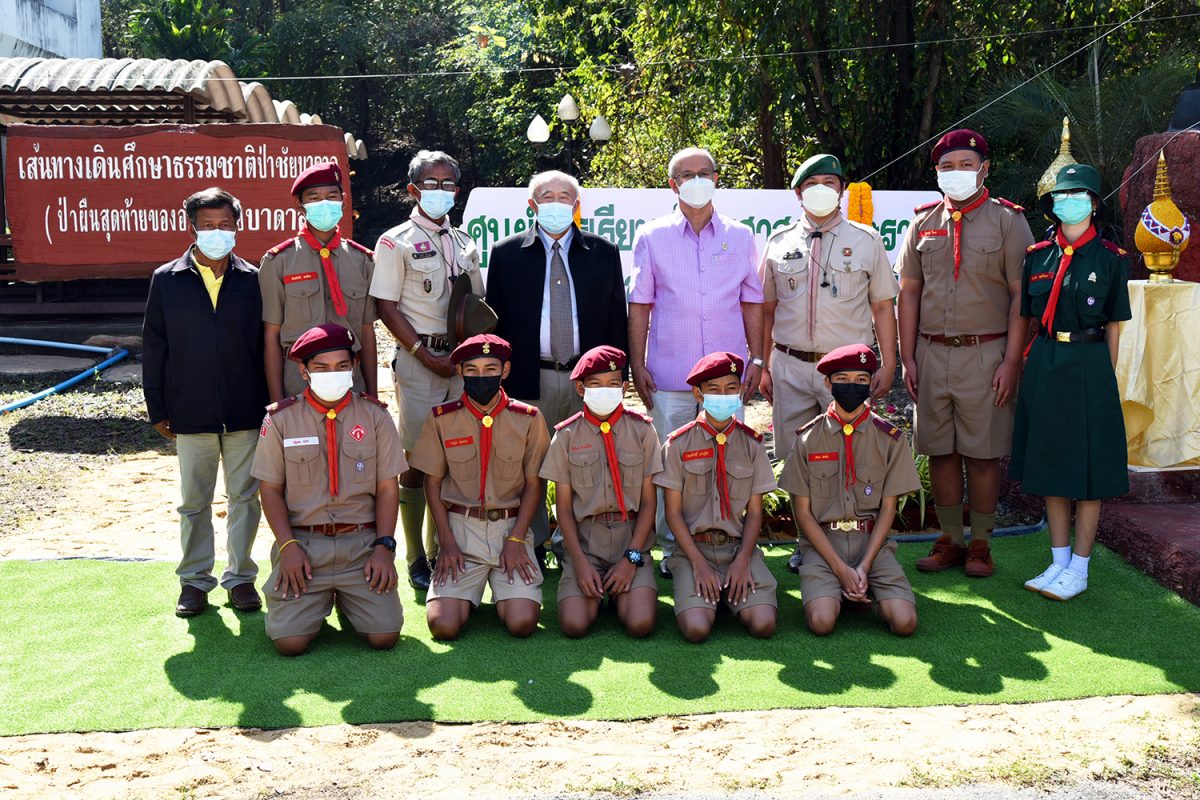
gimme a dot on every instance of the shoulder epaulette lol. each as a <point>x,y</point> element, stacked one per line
<point>681,431</point>
<point>1009,204</point>
<point>279,248</point>
<point>359,247</point>
<point>275,408</point>
<point>446,408</point>
<point>568,421</point>
<point>809,424</point>
<point>639,416</point>
<point>1033,248</point>
<point>1121,251</point>
<point>746,429</point>
<point>373,399</point>
<point>523,408</point>
<point>887,427</point>
<point>927,206</point>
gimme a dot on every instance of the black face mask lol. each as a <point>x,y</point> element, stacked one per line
<point>481,388</point>
<point>851,395</point>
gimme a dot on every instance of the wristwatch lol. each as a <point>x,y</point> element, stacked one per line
<point>758,362</point>
<point>387,541</point>
<point>634,557</point>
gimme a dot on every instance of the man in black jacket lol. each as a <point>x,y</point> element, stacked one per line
<point>202,374</point>
<point>558,292</point>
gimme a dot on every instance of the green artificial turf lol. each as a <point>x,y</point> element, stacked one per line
<point>92,645</point>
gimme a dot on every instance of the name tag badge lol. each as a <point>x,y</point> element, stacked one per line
<point>300,276</point>
<point>462,441</point>
<point>301,441</point>
<point>694,455</point>
<point>932,232</point>
<point>822,457</point>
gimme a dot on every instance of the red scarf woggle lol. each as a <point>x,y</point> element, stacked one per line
<point>610,450</point>
<point>848,434</point>
<point>325,251</point>
<point>485,439</point>
<point>722,479</point>
<point>331,444</point>
<point>957,214</point>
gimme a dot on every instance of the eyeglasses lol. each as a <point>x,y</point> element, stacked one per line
<point>431,184</point>
<point>220,226</point>
<point>684,177</point>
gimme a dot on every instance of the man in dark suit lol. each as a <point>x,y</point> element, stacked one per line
<point>558,291</point>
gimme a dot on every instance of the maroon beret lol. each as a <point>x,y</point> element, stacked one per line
<point>327,173</point>
<point>961,139</point>
<point>485,345</point>
<point>716,365</point>
<point>850,358</point>
<point>321,339</point>
<point>604,358</point>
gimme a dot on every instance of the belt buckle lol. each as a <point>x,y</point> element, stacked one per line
<point>955,341</point>
<point>329,529</point>
<point>1062,336</point>
<point>719,537</point>
<point>845,525</point>
<point>493,514</point>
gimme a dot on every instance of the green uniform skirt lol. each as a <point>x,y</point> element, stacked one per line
<point>1069,435</point>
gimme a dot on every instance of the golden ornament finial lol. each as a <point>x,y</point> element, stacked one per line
<point>1163,230</point>
<point>1064,157</point>
<point>1162,186</point>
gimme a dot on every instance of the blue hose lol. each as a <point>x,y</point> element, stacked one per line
<point>114,356</point>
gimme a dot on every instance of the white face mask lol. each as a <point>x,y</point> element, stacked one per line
<point>602,400</point>
<point>697,192</point>
<point>820,200</point>
<point>958,184</point>
<point>330,386</point>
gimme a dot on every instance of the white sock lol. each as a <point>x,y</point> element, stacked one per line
<point>1079,564</point>
<point>1061,556</point>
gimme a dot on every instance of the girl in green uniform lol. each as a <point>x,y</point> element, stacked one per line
<point>1069,437</point>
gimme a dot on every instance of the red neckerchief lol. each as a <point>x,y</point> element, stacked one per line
<point>722,480</point>
<point>610,450</point>
<point>325,251</point>
<point>485,438</point>
<point>957,215</point>
<point>848,437</point>
<point>331,445</point>
<point>1069,249</point>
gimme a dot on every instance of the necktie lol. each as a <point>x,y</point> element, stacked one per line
<point>610,450</point>
<point>722,478</point>
<point>848,434</point>
<point>1068,251</point>
<point>562,337</point>
<point>325,251</point>
<point>485,439</point>
<point>957,214</point>
<point>331,443</point>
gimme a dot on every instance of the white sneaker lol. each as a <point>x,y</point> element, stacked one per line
<point>1065,586</point>
<point>1045,579</point>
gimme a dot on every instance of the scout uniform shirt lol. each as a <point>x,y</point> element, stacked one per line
<point>295,449</point>
<point>854,273</point>
<point>414,267</point>
<point>972,297</point>
<point>578,456</point>
<point>840,488</point>
<point>690,464</point>
<point>450,444</point>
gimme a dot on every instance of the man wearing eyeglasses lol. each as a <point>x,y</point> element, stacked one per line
<point>695,291</point>
<point>416,264</point>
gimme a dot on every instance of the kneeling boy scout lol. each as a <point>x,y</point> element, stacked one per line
<point>327,460</point>
<point>845,473</point>
<point>602,461</point>
<point>715,471</point>
<point>481,455</point>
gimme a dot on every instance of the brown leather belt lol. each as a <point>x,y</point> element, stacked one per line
<point>613,516</point>
<point>803,355</point>
<point>849,526</point>
<point>966,340</point>
<point>335,528</point>
<point>435,341</point>
<point>713,536</point>
<point>1085,336</point>
<point>558,366</point>
<point>490,514</point>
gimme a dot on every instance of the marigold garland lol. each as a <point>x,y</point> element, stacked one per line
<point>860,208</point>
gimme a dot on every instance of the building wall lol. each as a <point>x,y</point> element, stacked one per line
<point>50,28</point>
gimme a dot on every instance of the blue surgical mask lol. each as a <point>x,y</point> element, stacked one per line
<point>1072,208</point>
<point>436,203</point>
<point>323,215</point>
<point>215,244</point>
<point>555,217</point>
<point>722,406</point>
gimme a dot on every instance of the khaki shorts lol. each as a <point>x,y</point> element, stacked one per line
<point>719,557</point>
<point>418,390</point>
<point>337,566</point>
<point>800,395</point>
<point>956,407</point>
<point>481,541</point>
<point>885,581</point>
<point>604,544</point>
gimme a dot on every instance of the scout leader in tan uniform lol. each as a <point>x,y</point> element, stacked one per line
<point>416,264</point>
<point>715,471</point>
<point>481,455</point>
<point>602,461</point>
<point>961,335</point>
<point>845,474</point>
<point>317,276</point>
<point>327,461</point>
<point>826,283</point>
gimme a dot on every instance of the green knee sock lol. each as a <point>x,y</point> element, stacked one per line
<point>412,517</point>
<point>981,526</point>
<point>950,520</point>
<point>432,547</point>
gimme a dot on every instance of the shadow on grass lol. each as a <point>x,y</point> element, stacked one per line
<point>86,435</point>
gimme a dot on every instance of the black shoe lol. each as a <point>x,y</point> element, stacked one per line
<point>191,602</point>
<point>664,570</point>
<point>795,561</point>
<point>420,574</point>
<point>244,597</point>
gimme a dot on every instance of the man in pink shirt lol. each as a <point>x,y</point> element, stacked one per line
<point>695,290</point>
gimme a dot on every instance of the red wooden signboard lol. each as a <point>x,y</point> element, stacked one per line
<point>107,202</point>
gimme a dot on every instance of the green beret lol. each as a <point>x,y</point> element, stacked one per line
<point>820,164</point>
<point>1074,177</point>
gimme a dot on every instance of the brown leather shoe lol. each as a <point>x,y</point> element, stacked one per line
<point>979,560</point>
<point>191,602</point>
<point>945,554</point>
<point>243,597</point>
